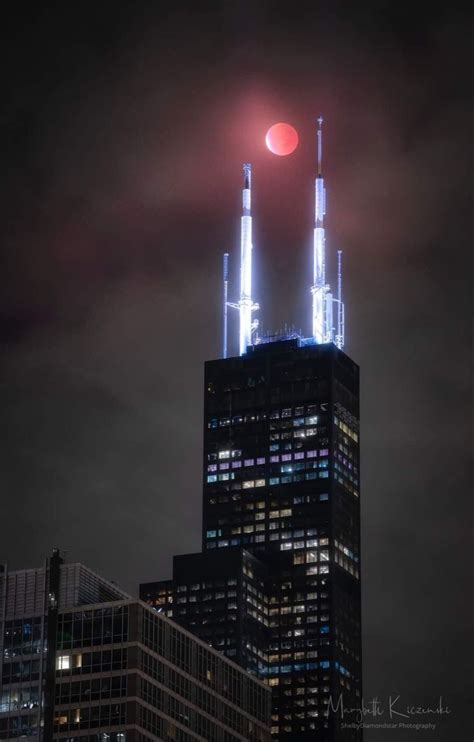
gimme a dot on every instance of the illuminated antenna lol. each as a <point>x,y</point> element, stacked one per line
<point>225,268</point>
<point>245,304</point>
<point>339,339</point>
<point>323,298</point>
<point>319,288</point>
<point>320,144</point>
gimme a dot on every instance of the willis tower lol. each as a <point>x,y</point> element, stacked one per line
<point>277,585</point>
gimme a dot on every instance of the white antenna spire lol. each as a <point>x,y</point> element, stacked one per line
<point>320,144</point>
<point>225,268</point>
<point>319,288</point>
<point>246,305</point>
<point>339,340</point>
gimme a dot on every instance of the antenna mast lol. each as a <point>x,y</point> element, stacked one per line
<point>246,305</point>
<point>319,288</point>
<point>339,340</point>
<point>225,267</point>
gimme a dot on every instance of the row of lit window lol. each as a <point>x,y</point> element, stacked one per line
<point>346,429</point>
<point>252,417</point>
<point>279,536</point>
<point>261,460</point>
<point>272,481</point>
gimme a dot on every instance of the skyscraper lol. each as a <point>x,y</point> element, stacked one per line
<point>278,584</point>
<point>83,661</point>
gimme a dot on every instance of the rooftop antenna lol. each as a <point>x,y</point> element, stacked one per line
<point>246,305</point>
<point>320,144</point>
<point>339,340</point>
<point>225,268</point>
<point>319,288</point>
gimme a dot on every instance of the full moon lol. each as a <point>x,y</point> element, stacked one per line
<point>281,139</point>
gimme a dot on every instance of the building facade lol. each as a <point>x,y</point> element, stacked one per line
<point>281,484</point>
<point>82,660</point>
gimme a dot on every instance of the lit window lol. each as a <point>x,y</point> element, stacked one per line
<point>224,454</point>
<point>261,460</point>
<point>63,662</point>
<point>249,462</point>
<point>260,482</point>
<point>248,484</point>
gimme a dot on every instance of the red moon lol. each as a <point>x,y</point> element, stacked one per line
<point>281,139</point>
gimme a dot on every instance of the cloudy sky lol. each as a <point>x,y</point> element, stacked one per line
<point>123,133</point>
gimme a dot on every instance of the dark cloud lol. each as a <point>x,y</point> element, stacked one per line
<point>123,133</point>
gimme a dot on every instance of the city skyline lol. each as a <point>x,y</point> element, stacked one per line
<point>124,142</point>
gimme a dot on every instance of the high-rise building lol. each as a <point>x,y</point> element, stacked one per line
<point>278,584</point>
<point>83,661</point>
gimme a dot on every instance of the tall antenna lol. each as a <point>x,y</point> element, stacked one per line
<point>319,289</point>
<point>320,144</point>
<point>340,306</point>
<point>225,268</point>
<point>246,305</point>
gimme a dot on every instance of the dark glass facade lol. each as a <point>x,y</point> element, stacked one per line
<point>281,481</point>
<point>117,671</point>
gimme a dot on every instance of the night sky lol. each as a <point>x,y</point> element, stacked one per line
<point>123,130</point>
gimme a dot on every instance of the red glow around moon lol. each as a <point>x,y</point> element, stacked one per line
<point>281,139</point>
